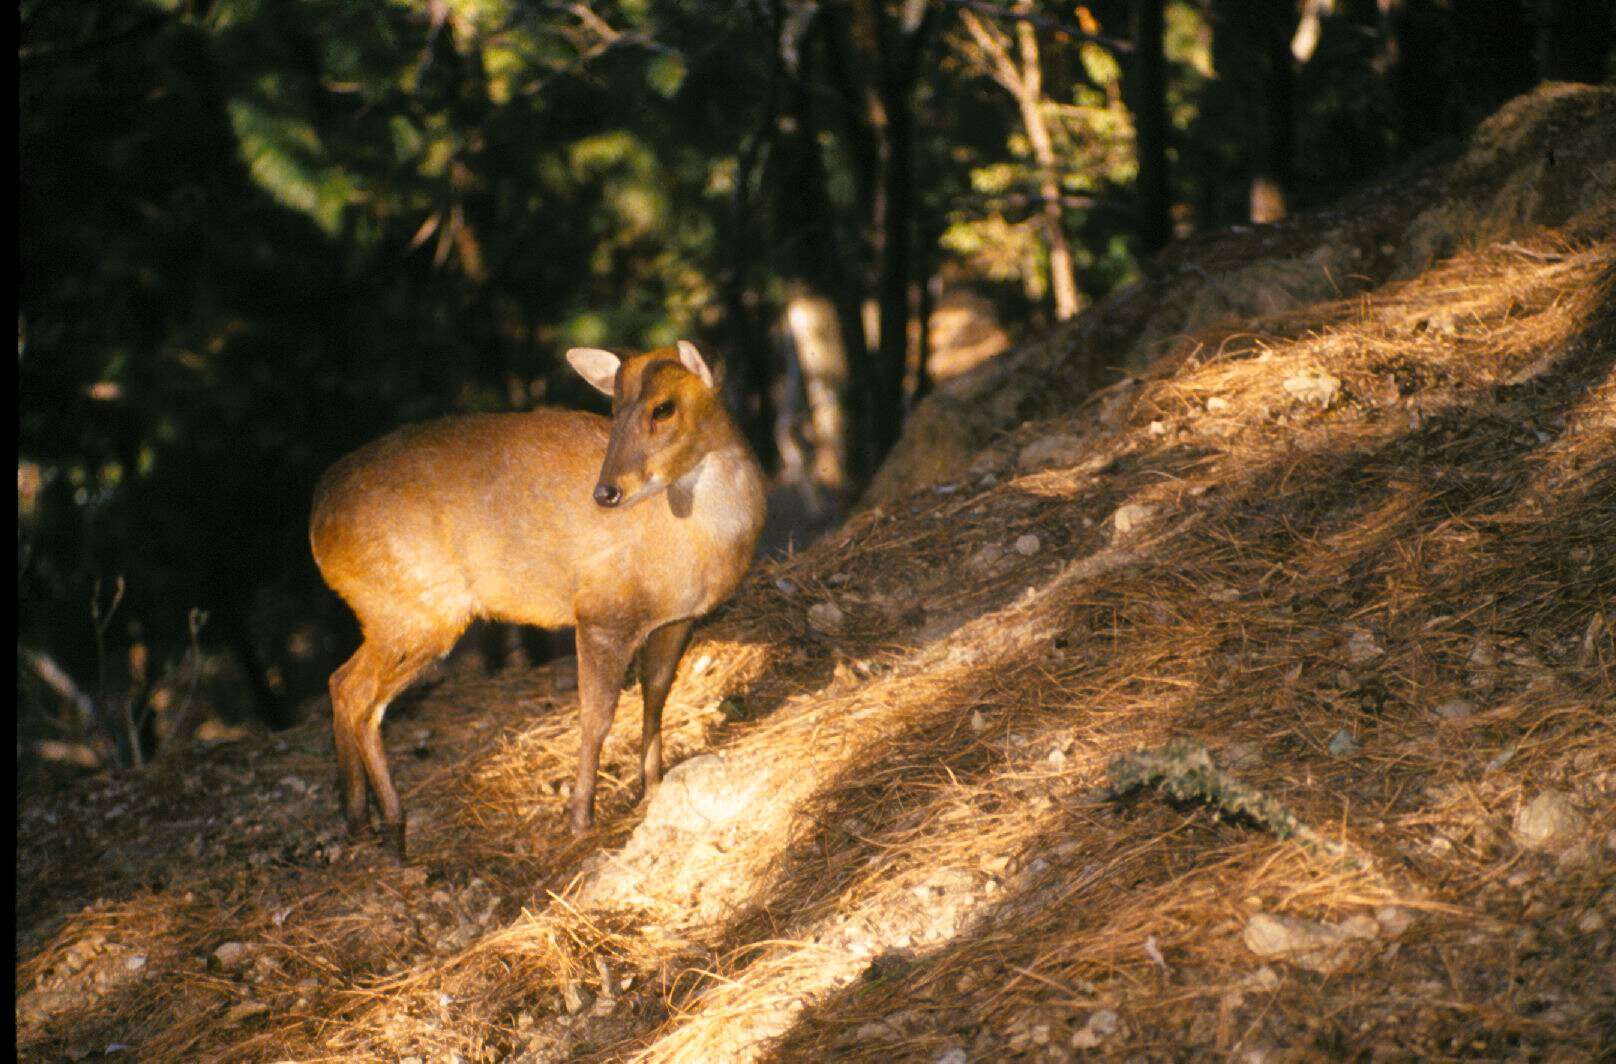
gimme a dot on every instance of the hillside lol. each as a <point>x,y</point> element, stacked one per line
<point>1256,705</point>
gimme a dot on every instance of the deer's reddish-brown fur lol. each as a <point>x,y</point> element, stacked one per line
<point>628,529</point>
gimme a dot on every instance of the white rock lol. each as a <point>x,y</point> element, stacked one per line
<point>700,793</point>
<point>1216,404</point>
<point>951,1055</point>
<point>1308,944</point>
<point>1393,920</point>
<point>1101,1023</point>
<point>1027,545</point>
<point>1361,647</point>
<point>232,954</point>
<point>1130,517</point>
<point>1319,389</point>
<point>1548,820</point>
<point>827,617</point>
<point>1456,709</point>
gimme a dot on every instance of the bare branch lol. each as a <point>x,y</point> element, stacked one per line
<point>994,47</point>
<point>1069,30</point>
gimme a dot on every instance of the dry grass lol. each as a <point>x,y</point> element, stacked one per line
<point>933,859</point>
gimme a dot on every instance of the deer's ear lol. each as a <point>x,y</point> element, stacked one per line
<point>691,359</point>
<point>597,367</point>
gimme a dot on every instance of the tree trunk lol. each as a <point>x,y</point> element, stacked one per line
<point>1062,274</point>
<point>748,354</point>
<point>1150,126</point>
<point>815,265</point>
<point>1270,182</point>
<point>1574,39</point>
<point>889,46</point>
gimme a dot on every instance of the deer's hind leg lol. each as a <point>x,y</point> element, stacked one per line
<point>360,693</point>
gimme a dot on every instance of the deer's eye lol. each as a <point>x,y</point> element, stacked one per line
<point>662,411</point>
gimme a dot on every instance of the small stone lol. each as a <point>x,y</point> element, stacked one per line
<point>1499,760</point>
<point>826,617</point>
<point>1217,404</point>
<point>135,963</point>
<point>951,1055</point>
<point>1547,820</point>
<point>1342,743</point>
<point>979,723</point>
<point>1027,545</point>
<point>1393,920</point>
<point>1361,647</point>
<point>1130,517</point>
<point>1318,389</point>
<point>1483,656</point>
<point>1103,1021</point>
<point>985,558</point>
<point>1305,943</point>
<point>1059,450</point>
<point>1591,923</point>
<point>1456,709</point>
<point>1057,757</point>
<point>1157,428</point>
<point>1264,978</point>
<point>232,954</point>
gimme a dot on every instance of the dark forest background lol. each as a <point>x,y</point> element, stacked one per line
<point>253,235</point>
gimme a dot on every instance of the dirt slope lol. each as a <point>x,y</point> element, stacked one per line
<point>1258,707</point>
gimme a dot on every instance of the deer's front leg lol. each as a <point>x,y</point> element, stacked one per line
<point>603,653</point>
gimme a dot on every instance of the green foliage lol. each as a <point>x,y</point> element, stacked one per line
<point>255,234</point>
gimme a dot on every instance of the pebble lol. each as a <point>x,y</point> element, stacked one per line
<point>1393,921</point>
<point>1130,517</point>
<point>826,617</point>
<point>1318,947</point>
<point>1027,545</point>
<point>1342,743</point>
<point>1361,647</point>
<point>232,954</point>
<point>1547,820</point>
<point>1456,709</point>
<point>1101,1022</point>
<point>1319,389</point>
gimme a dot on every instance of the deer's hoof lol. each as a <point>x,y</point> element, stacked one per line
<point>393,836</point>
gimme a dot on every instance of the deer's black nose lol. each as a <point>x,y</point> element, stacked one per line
<point>607,495</point>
